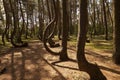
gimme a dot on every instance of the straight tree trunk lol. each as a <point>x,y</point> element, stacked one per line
<point>59,20</point>
<point>116,55</point>
<point>94,17</point>
<point>63,54</point>
<point>40,8</point>
<point>105,20</point>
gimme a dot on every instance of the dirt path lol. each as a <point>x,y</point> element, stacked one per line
<point>34,63</point>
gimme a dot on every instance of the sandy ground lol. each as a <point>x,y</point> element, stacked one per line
<point>35,63</point>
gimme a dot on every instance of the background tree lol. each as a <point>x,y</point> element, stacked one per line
<point>8,21</point>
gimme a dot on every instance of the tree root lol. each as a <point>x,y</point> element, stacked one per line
<point>93,70</point>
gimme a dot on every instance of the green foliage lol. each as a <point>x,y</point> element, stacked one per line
<point>1,31</point>
<point>98,43</point>
<point>3,48</point>
<point>74,30</point>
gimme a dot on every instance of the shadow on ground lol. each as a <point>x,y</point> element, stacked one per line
<point>28,64</point>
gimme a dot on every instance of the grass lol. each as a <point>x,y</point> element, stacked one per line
<point>95,44</point>
<point>3,48</point>
<point>102,45</point>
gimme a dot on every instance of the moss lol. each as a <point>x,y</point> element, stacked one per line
<point>101,45</point>
<point>96,44</point>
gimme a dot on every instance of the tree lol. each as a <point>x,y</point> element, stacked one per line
<point>48,34</point>
<point>116,55</point>
<point>84,65</point>
<point>40,17</point>
<point>16,40</point>
<point>8,20</point>
<point>105,20</point>
<point>63,51</point>
<point>63,54</point>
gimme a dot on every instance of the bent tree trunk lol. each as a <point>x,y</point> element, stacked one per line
<point>84,65</point>
<point>15,29</point>
<point>63,52</point>
<point>47,38</point>
<point>8,21</point>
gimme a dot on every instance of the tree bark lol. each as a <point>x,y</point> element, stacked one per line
<point>84,65</point>
<point>105,21</point>
<point>63,54</point>
<point>116,55</point>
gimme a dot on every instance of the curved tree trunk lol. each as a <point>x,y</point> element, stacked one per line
<point>63,52</point>
<point>15,29</point>
<point>84,65</point>
<point>48,38</point>
<point>8,21</point>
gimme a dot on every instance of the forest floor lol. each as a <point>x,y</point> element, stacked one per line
<point>35,63</point>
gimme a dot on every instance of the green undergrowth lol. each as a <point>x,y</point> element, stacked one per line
<point>100,45</point>
<point>8,45</point>
<point>95,44</point>
<point>4,48</point>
